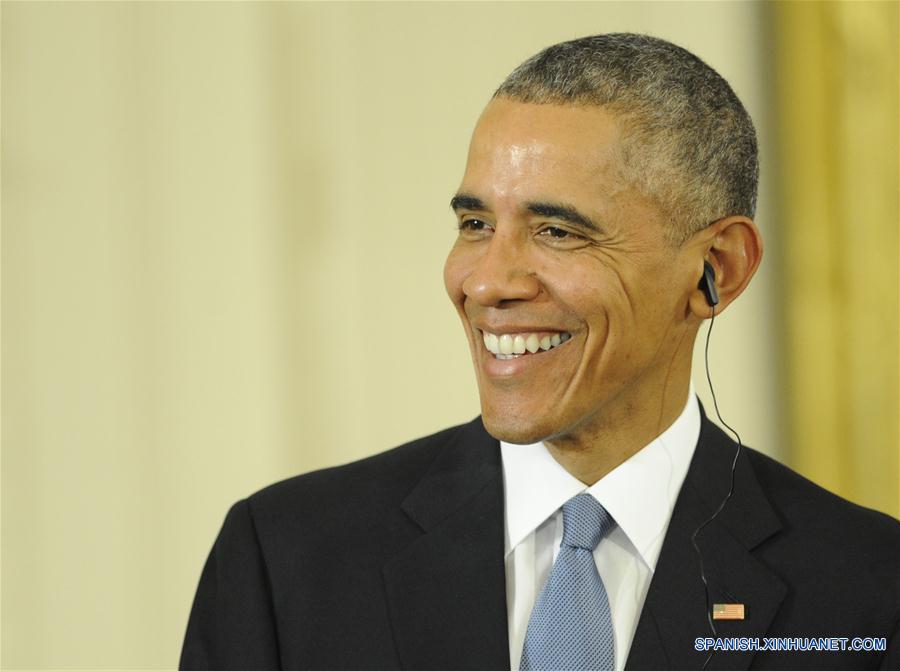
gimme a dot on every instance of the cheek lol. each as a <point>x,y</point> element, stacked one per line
<point>598,293</point>
<point>603,298</point>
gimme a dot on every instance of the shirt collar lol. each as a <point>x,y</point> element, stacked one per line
<point>639,493</point>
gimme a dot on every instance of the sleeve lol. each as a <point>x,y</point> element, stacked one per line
<point>232,621</point>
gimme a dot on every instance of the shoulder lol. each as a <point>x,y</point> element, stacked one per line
<point>801,510</point>
<point>368,485</point>
<point>838,559</point>
<point>804,506</point>
<point>797,528</point>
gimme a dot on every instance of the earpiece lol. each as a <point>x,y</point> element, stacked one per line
<point>708,284</point>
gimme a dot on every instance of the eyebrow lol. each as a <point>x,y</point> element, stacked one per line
<point>465,201</point>
<point>564,212</point>
<point>555,210</point>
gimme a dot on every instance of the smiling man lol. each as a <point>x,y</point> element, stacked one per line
<point>591,517</point>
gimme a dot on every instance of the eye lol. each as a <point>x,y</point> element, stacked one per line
<point>474,229</point>
<point>558,235</point>
<point>557,232</point>
<point>472,225</point>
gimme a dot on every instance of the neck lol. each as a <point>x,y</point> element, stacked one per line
<point>631,423</point>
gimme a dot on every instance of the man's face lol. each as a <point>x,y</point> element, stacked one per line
<point>555,247</point>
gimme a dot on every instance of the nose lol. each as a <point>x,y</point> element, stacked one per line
<point>502,273</point>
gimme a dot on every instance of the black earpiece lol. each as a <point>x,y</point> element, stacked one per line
<point>708,284</point>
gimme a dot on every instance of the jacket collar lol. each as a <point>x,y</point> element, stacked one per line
<point>447,590</point>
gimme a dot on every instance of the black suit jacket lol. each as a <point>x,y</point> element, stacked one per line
<point>396,562</point>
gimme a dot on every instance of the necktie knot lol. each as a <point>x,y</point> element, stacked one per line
<point>585,522</point>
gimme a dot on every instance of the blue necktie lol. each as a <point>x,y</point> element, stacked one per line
<point>570,627</point>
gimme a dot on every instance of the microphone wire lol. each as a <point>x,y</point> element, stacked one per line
<point>737,454</point>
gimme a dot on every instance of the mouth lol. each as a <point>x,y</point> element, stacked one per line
<point>505,346</point>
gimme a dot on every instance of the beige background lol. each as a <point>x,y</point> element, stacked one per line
<point>223,233</point>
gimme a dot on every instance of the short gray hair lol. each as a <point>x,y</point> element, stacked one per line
<point>688,141</point>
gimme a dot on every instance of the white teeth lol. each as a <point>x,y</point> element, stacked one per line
<point>512,345</point>
<point>518,345</point>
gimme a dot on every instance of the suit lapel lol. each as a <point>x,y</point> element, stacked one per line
<point>674,613</point>
<point>446,591</point>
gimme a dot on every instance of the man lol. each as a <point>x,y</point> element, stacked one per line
<point>605,212</point>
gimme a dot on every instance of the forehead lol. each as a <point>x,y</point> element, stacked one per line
<point>561,123</point>
<point>523,151</point>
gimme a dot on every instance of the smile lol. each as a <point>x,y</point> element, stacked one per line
<point>514,345</point>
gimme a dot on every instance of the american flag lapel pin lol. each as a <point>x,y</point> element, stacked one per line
<point>728,611</point>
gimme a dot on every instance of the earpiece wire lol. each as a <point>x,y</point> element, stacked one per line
<point>737,454</point>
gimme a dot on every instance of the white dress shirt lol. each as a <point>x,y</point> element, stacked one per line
<point>639,494</point>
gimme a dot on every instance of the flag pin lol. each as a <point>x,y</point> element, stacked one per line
<point>728,611</point>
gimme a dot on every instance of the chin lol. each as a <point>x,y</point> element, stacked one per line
<point>512,429</point>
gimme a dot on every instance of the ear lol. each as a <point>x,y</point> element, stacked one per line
<point>734,248</point>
